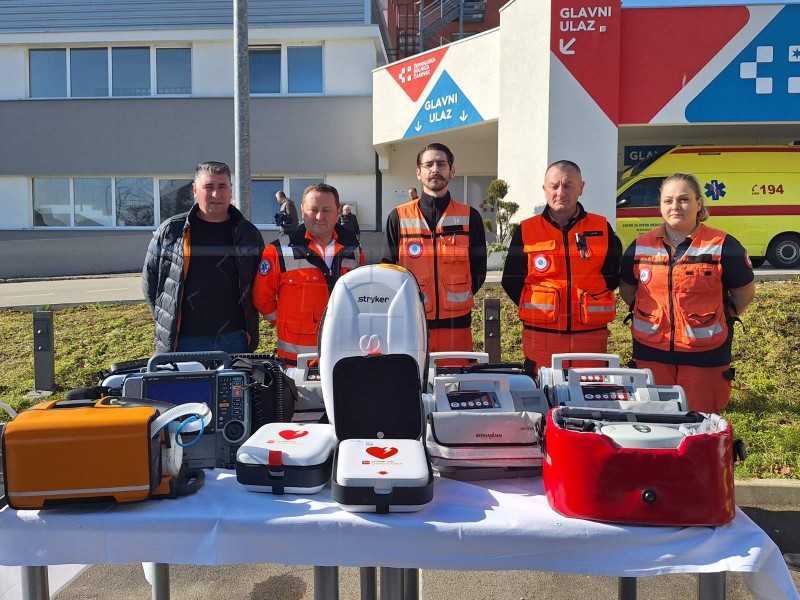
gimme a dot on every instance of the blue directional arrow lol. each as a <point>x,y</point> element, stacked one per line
<point>445,108</point>
<point>762,83</point>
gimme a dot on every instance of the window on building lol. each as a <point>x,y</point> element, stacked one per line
<point>173,71</point>
<point>92,202</point>
<point>298,184</point>
<point>264,204</point>
<point>88,77</point>
<point>132,72</point>
<point>134,201</point>
<point>304,69</point>
<point>51,202</point>
<point>48,73</point>
<point>175,196</point>
<point>302,65</point>
<point>265,70</point>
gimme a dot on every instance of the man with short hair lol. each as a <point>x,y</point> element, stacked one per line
<point>561,271</point>
<point>412,193</point>
<point>443,243</point>
<point>286,217</point>
<point>349,220</point>
<point>199,270</point>
<point>297,272</point>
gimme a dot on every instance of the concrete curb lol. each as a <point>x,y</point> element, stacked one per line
<point>767,492</point>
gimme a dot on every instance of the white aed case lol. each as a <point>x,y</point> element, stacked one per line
<point>381,475</point>
<point>287,458</point>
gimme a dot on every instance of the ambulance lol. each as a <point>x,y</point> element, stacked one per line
<point>752,193</point>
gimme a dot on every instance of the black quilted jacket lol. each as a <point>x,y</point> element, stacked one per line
<point>163,273</point>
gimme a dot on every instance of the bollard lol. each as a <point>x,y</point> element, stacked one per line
<point>491,328</point>
<point>44,369</point>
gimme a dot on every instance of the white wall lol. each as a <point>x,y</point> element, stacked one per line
<point>348,66</point>
<point>358,189</point>
<point>212,69</point>
<point>16,214</point>
<point>12,73</point>
<point>525,102</point>
<point>581,132</point>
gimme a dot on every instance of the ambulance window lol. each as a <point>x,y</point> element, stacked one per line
<point>644,193</point>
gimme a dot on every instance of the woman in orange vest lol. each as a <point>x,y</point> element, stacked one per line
<point>686,283</point>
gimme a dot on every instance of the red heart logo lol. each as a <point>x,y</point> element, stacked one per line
<point>293,434</point>
<point>381,453</point>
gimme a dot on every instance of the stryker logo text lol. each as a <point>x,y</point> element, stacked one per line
<point>373,299</point>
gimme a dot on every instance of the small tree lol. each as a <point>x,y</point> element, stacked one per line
<point>503,212</point>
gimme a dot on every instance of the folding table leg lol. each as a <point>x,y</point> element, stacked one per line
<point>391,583</point>
<point>626,588</point>
<point>369,583</point>
<point>160,581</point>
<point>35,585</point>
<point>410,584</point>
<point>711,586</point>
<point>326,583</point>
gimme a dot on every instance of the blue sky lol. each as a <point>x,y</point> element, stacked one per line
<point>657,3</point>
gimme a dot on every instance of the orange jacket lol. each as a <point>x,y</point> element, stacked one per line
<point>294,283</point>
<point>680,306</point>
<point>439,259</point>
<point>564,289</point>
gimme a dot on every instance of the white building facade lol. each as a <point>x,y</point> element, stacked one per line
<point>106,108</point>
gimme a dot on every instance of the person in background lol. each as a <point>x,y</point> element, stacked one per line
<point>412,193</point>
<point>686,283</point>
<point>561,271</point>
<point>443,243</point>
<point>286,217</point>
<point>349,221</point>
<point>297,272</point>
<point>199,270</point>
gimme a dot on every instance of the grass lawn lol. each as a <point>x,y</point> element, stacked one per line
<point>764,410</point>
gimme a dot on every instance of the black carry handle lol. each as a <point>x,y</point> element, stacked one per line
<point>617,416</point>
<point>503,367</point>
<point>171,357</point>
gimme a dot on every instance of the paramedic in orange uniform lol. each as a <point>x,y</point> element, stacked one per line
<point>298,271</point>
<point>686,283</point>
<point>443,243</point>
<point>561,271</point>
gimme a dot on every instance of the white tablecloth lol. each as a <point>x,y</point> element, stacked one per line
<point>493,525</point>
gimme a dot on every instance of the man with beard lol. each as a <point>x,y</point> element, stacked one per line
<point>443,243</point>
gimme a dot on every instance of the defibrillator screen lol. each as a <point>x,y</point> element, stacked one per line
<point>179,389</point>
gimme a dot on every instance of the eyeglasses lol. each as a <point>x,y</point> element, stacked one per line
<point>439,164</point>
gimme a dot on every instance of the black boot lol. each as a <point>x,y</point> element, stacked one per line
<point>792,561</point>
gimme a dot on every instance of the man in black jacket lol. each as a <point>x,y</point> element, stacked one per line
<point>199,271</point>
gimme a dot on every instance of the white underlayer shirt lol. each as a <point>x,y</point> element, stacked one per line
<point>327,252</point>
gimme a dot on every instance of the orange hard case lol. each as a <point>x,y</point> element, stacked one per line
<point>58,453</point>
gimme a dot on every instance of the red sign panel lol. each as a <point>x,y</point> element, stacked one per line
<point>585,37</point>
<point>414,74</point>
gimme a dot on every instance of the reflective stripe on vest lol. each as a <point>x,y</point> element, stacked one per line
<point>283,345</point>
<point>564,289</point>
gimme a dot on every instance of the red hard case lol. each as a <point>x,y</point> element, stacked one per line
<point>587,476</point>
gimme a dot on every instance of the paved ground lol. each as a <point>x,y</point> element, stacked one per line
<point>32,294</point>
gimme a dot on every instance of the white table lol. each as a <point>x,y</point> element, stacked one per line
<point>493,525</point>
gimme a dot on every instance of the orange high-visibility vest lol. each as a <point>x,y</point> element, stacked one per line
<point>439,259</point>
<point>292,289</point>
<point>680,306</point>
<point>564,289</point>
